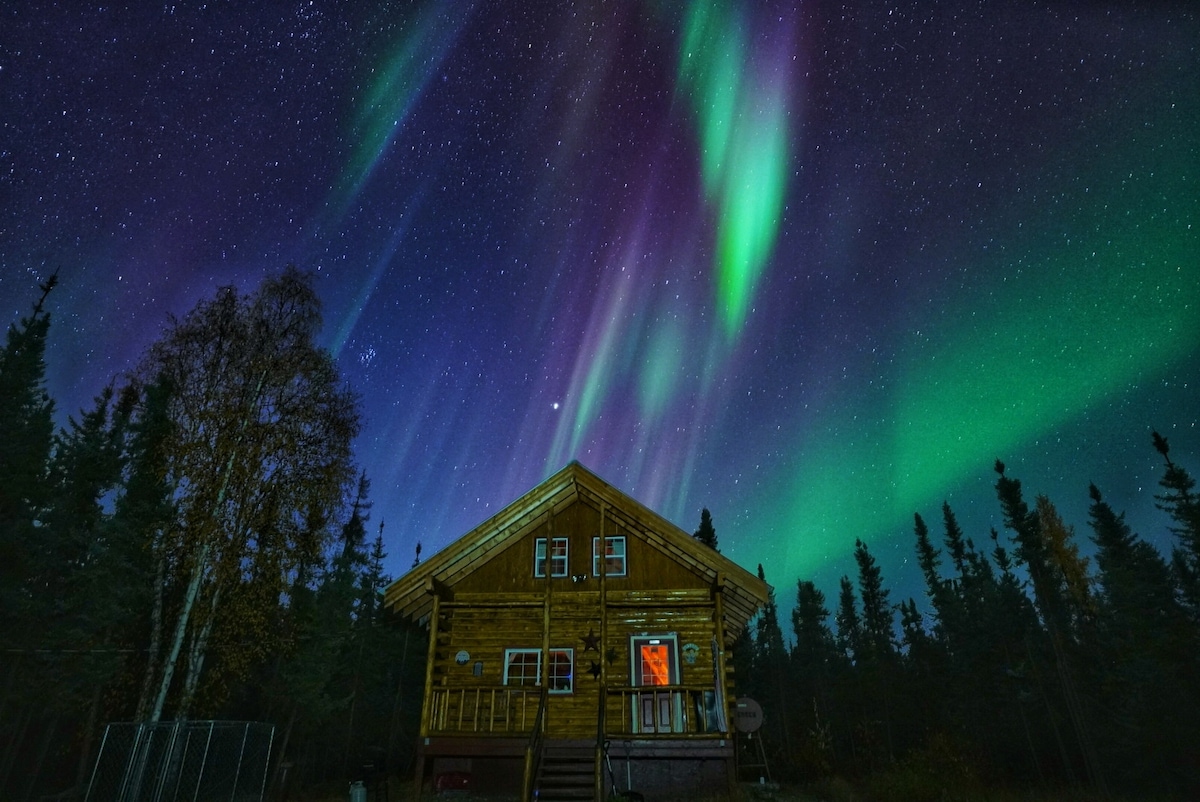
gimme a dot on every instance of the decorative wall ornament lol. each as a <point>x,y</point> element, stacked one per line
<point>595,670</point>
<point>462,657</point>
<point>690,652</point>
<point>591,641</point>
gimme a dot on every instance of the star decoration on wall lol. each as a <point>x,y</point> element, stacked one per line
<point>595,670</point>
<point>591,641</point>
<point>611,655</point>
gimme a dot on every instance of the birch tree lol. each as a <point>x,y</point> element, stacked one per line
<point>258,448</point>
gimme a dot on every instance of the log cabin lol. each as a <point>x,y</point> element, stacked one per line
<point>578,643</point>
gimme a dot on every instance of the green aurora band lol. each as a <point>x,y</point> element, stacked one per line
<point>391,94</point>
<point>742,120</point>
<point>1106,299</point>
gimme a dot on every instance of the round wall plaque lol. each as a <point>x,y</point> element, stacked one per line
<point>462,657</point>
<point>747,715</point>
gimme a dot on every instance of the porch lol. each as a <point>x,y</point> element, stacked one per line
<point>505,740</point>
<point>649,712</point>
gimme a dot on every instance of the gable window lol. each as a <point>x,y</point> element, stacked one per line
<point>558,556</point>
<point>523,667</point>
<point>614,556</point>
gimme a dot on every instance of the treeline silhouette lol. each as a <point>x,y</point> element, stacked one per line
<point>1026,665</point>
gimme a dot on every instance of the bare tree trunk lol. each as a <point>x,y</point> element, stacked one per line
<point>89,736</point>
<point>14,746</point>
<point>394,727</point>
<point>196,652</point>
<point>9,684</point>
<point>193,590</point>
<point>181,625</point>
<point>43,748</point>
<point>353,705</point>
<point>156,623</point>
<point>281,776</point>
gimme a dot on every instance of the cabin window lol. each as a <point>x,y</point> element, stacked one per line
<point>614,556</point>
<point>523,667</point>
<point>558,557</point>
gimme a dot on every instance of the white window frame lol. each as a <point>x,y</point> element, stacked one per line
<point>537,673</point>
<point>566,684</point>
<point>623,556</point>
<point>539,556</point>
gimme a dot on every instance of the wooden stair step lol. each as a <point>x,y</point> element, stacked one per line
<point>567,773</point>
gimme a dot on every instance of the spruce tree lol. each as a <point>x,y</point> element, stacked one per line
<point>771,670</point>
<point>1180,501</point>
<point>27,423</point>
<point>1041,557</point>
<point>75,564</point>
<point>815,648</point>
<point>1147,649</point>
<point>706,534</point>
<point>849,627</point>
<point>878,620</point>
<point>953,537</point>
<point>815,665</point>
<point>929,559</point>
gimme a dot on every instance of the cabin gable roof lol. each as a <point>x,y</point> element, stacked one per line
<point>412,594</point>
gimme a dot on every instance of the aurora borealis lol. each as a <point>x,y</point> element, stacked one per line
<point>813,266</point>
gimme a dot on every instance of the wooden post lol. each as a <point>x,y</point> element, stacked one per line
<point>544,674</point>
<point>602,702</point>
<point>722,684</point>
<point>719,630</point>
<point>604,598</point>
<point>427,701</point>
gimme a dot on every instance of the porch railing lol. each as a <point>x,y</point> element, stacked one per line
<point>484,709</point>
<point>662,710</point>
<point>644,712</point>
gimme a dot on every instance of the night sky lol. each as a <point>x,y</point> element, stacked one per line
<point>814,266</point>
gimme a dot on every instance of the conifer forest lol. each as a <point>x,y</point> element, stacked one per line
<point>199,544</point>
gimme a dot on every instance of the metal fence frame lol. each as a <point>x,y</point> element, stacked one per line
<point>199,761</point>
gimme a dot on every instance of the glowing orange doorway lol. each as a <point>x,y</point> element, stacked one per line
<point>655,664</point>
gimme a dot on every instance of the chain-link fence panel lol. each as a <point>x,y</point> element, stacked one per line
<point>171,761</point>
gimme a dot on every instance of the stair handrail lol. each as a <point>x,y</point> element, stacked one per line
<point>533,749</point>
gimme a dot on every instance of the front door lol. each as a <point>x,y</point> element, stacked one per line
<point>655,666</point>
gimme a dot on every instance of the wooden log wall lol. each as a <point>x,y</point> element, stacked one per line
<point>485,625</point>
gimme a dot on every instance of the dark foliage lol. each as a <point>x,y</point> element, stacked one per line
<point>1024,666</point>
<point>301,640</point>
